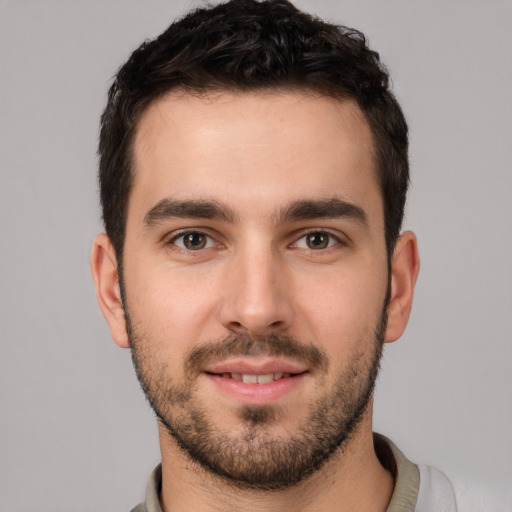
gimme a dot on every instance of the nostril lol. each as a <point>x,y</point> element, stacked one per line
<point>255,330</point>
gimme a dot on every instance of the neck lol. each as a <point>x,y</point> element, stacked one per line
<point>353,479</point>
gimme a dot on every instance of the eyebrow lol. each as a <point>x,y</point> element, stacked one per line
<point>323,209</point>
<point>298,210</point>
<point>168,208</point>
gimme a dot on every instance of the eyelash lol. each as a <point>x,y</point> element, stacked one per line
<point>209,241</point>
<point>333,240</point>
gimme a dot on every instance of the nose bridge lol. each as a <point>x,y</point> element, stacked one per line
<point>254,298</point>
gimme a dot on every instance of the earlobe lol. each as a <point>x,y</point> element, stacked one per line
<point>405,266</point>
<point>106,280</point>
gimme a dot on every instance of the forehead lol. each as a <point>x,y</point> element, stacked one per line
<point>252,149</point>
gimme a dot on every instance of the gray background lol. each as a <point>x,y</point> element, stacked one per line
<point>75,431</point>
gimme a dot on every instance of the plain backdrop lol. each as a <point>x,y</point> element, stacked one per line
<point>75,431</point>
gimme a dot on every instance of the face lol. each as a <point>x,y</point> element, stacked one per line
<point>255,278</point>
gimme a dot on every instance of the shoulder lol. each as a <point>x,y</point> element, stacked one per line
<point>418,487</point>
<point>435,492</point>
<point>152,502</point>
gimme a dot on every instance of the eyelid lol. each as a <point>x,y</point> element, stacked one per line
<point>337,237</point>
<point>171,240</point>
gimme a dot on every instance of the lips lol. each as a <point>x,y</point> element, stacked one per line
<point>258,366</point>
<point>255,380</point>
<point>249,378</point>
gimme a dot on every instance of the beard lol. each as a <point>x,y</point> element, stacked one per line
<point>254,457</point>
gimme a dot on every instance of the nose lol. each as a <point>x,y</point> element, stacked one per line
<point>256,296</point>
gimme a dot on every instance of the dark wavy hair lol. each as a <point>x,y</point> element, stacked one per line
<point>245,45</point>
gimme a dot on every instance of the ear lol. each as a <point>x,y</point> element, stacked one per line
<point>405,266</point>
<point>108,292</point>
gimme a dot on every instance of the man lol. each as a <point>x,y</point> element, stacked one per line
<point>253,174</point>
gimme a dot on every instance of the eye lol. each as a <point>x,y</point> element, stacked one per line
<point>193,241</point>
<point>317,240</point>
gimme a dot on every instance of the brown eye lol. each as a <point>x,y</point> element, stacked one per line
<point>193,241</point>
<point>318,240</point>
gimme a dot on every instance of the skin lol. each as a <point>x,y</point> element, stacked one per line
<point>256,154</point>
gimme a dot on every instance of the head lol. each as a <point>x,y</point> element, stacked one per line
<point>246,45</point>
<point>253,170</point>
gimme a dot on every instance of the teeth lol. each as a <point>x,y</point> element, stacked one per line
<point>255,379</point>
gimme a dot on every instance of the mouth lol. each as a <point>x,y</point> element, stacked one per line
<point>250,378</point>
<point>249,381</point>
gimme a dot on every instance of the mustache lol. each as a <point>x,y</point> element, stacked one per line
<point>275,345</point>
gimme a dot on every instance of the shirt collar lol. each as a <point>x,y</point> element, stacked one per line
<point>405,474</point>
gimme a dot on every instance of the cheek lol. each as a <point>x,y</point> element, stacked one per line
<point>169,303</point>
<point>343,311</point>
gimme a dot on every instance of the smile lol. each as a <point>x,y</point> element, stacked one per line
<point>248,378</point>
<point>256,388</point>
